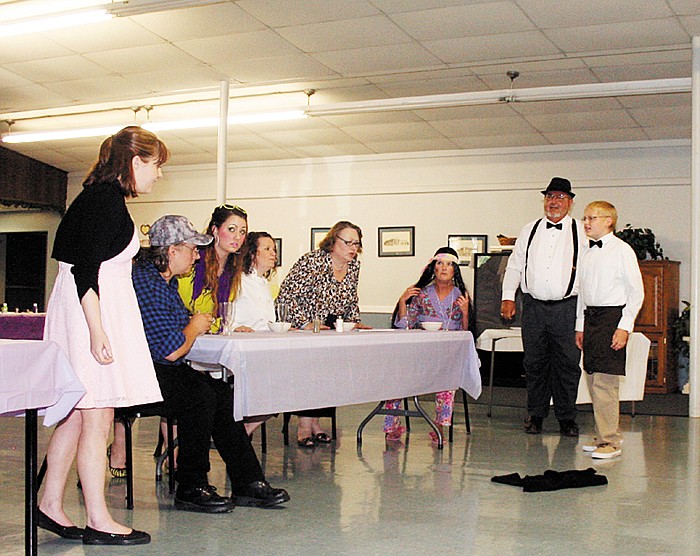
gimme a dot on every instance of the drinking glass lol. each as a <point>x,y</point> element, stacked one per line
<point>227,312</point>
<point>282,312</point>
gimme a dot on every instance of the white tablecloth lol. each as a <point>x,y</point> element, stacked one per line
<point>35,375</point>
<point>301,370</point>
<point>631,385</point>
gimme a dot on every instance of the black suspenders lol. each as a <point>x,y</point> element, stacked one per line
<point>574,235</point>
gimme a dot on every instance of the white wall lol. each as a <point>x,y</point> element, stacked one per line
<point>457,192</point>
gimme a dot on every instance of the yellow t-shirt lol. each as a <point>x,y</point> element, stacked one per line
<point>204,302</point>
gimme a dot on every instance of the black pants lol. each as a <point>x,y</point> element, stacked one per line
<point>551,359</point>
<point>203,407</point>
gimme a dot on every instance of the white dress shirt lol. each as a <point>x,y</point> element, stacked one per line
<point>549,262</point>
<point>609,276</point>
<point>254,304</point>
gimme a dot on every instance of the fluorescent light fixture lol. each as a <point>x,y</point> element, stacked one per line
<point>35,16</point>
<point>564,92</point>
<point>240,119</point>
<point>49,23</point>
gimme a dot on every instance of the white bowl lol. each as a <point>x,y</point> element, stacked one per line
<point>348,326</point>
<point>279,326</point>
<point>433,326</point>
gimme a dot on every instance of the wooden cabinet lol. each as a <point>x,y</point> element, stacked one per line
<point>655,319</point>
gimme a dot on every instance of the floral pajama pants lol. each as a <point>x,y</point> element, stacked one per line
<point>444,402</point>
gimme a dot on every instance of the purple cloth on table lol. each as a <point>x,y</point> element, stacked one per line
<point>22,326</point>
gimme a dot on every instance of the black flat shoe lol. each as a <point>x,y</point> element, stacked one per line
<point>203,500</point>
<point>95,537</point>
<point>71,532</point>
<point>568,427</point>
<point>533,425</point>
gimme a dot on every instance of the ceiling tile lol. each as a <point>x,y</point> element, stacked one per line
<point>143,58</point>
<point>307,138</point>
<point>29,47</point>
<point>510,140</point>
<point>11,79</point>
<point>680,132</point>
<point>662,116</point>
<point>685,7</point>
<point>110,87</point>
<point>609,119</point>
<point>464,21</point>
<point>177,79</point>
<point>528,79</point>
<point>610,36</point>
<point>483,126</point>
<point>349,33</point>
<point>314,151</point>
<point>274,70</point>
<point>399,6</point>
<point>63,68</point>
<point>411,145</point>
<point>394,132</point>
<point>650,101</point>
<point>595,136</point>
<point>121,32</point>
<point>435,86</point>
<point>32,97</point>
<point>692,25</point>
<point>378,59</point>
<point>283,13</point>
<point>382,118</point>
<point>489,48</point>
<point>574,13</point>
<point>239,46</point>
<point>569,105</point>
<point>467,112</point>
<point>642,71</point>
<point>198,22</point>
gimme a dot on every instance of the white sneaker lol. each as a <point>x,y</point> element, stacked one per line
<point>608,451</point>
<point>590,446</point>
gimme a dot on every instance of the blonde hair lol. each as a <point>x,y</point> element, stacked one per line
<point>603,208</point>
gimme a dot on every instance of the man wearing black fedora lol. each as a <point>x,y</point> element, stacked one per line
<point>543,264</point>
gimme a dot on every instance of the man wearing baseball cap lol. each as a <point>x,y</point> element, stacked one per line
<point>543,264</point>
<point>202,405</point>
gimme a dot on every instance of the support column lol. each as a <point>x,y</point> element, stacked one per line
<point>694,366</point>
<point>222,144</point>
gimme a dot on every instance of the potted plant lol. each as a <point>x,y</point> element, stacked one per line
<point>643,241</point>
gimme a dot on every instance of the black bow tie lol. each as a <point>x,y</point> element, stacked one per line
<point>593,243</point>
<point>557,226</point>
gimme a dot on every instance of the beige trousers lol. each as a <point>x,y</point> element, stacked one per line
<point>605,393</point>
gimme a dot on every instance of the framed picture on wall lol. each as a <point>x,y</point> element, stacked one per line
<point>278,248</point>
<point>396,241</point>
<point>467,245</point>
<point>317,234</point>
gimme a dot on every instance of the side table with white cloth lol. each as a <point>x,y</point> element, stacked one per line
<point>631,385</point>
<point>35,375</point>
<point>277,373</point>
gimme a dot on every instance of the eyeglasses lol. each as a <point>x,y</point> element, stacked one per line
<point>192,249</point>
<point>350,243</point>
<point>591,218</point>
<point>233,207</point>
<point>550,196</point>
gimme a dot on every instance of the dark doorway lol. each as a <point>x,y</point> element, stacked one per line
<point>25,270</point>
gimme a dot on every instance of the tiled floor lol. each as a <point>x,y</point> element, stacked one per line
<point>411,498</point>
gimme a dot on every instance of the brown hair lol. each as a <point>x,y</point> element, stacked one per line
<point>117,152</point>
<point>250,250</point>
<point>234,262</point>
<point>328,242</point>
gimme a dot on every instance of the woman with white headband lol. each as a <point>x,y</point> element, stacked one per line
<point>438,296</point>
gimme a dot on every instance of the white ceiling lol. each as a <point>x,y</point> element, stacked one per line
<point>349,50</point>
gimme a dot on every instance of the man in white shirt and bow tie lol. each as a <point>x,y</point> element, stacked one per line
<point>543,264</point>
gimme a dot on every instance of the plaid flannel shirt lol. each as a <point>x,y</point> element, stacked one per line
<point>163,313</point>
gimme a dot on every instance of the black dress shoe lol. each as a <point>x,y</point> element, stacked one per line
<point>259,494</point>
<point>95,537</point>
<point>533,425</point>
<point>67,532</point>
<point>568,427</point>
<point>203,500</point>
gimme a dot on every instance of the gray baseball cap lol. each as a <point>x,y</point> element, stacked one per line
<point>172,229</point>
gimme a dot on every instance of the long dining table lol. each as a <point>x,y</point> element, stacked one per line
<point>35,377</point>
<point>275,373</point>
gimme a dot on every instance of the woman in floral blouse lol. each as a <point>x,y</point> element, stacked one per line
<point>438,296</point>
<point>323,285</point>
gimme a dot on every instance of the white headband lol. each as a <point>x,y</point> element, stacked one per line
<point>444,257</point>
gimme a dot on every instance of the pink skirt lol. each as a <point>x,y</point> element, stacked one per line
<point>130,379</point>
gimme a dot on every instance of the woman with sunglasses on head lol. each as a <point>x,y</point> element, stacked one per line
<point>322,285</point>
<point>438,296</point>
<point>94,316</point>
<point>216,276</point>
